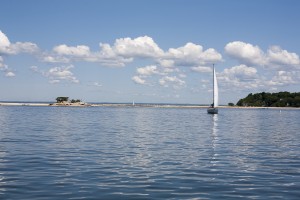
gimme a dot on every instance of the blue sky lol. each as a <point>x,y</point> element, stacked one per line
<point>158,51</point>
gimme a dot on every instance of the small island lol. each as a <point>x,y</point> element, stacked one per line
<point>264,99</point>
<point>64,101</point>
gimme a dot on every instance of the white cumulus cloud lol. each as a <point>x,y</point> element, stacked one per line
<point>147,71</point>
<point>192,54</point>
<point>4,44</point>
<point>24,47</point>
<point>284,65</point>
<point>241,71</point>
<point>138,80</point>
<point>275,58</point>
<point>278,56</point>
<point>10,74</point>
<point>240,77</point>
<point>283,78</point>
<point>54,59</point>
<point>80,50</point>
<point>6,47</point>
<point>245,53</point>
<point>105,56</point>
<point>166,63</point>
<point>138,47</point>
<point>125,50</point>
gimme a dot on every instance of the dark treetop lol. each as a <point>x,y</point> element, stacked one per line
<point>280,99</point>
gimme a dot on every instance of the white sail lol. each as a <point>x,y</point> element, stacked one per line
<point>214,108</point>
<point>216,92</point>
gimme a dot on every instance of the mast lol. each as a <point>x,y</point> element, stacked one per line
<point>213,85</point>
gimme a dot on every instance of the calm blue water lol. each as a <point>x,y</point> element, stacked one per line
<point>148,153</point>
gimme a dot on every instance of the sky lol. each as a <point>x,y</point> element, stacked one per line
<point>147,51</point>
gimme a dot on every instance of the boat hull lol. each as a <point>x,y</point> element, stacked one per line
<point>212,110</point>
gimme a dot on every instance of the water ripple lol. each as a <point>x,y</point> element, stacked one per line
<point>148,153</point>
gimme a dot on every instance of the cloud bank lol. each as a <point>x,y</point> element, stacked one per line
<point>8,48</point>
<point>284,65</point>
<point>171,68</point>
<point>275,57</point>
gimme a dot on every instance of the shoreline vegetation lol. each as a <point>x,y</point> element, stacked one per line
<point>265,99</point>
<point>150,105</point>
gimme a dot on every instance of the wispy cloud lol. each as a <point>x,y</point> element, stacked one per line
<point>201,69</point>
<point>57,74</point>
<point>172,81</point>
<point>5,69</point>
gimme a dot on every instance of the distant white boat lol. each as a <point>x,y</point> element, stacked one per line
<point>213,109</point>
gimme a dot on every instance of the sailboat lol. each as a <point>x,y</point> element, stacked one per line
<point>213,109</point>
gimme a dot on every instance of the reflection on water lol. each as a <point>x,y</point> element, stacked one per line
<point>214,139</point>
<point>148,153</point>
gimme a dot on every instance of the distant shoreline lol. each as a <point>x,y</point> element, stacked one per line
<point>139,105</point>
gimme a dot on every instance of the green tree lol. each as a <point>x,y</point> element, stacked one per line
<point>280,99</point>
<point>75,101</point>
<point>61,99</point>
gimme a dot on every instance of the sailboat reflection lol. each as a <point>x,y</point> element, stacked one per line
<point>214,139</point>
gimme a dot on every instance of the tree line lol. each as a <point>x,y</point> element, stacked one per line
<point>66,99</point>
<point>265,99</point>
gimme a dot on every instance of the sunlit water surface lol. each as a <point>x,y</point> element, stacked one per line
<point>148,153</point>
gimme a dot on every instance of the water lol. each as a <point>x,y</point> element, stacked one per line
<point>148,153</point>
